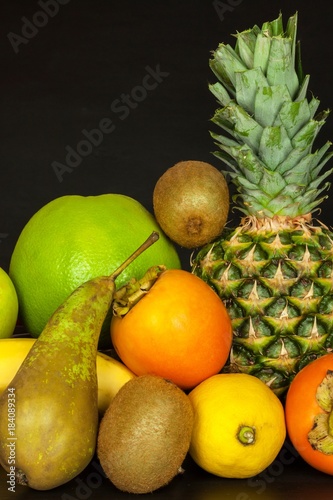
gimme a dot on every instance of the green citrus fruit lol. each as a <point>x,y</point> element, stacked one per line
<point>8,305</point>
<point>75,238</point>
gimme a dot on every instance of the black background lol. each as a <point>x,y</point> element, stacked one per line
<point>76,64</point>
<point>65,79</point>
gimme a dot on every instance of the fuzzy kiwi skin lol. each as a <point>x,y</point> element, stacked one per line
<point>145,434</point>
<point>191,203</point>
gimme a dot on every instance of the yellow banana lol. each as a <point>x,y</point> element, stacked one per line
<point>111,373</point>
<point>111,376</point>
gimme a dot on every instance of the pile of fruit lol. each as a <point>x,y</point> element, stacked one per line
<point>131,358</point>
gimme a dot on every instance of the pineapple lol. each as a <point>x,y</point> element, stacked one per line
<point>275,271</point>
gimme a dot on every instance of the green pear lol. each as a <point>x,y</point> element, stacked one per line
<point>49,412</point>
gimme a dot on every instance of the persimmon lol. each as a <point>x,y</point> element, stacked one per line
<point>309,413</point>
<point>179,329</point>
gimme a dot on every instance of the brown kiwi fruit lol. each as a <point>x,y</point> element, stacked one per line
<point>191,203</point>
<point>145,434</point>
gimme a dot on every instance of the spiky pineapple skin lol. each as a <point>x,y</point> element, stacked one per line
<point>275,277</point>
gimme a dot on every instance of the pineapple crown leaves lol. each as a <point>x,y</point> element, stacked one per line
<point>269,126</point>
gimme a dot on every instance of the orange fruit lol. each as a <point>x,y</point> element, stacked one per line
<point>179,330</point>
<point>8,305</point>
<point>239,425</point>
<point>309,414</point>
<point>75,238</point>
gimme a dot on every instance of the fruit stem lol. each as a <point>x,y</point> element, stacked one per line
<point>146,244</point>
<point>246,435</point>
<point>321,435</point>
<point>132,292</point>
<point>21,478</point>
<point>324,393</point>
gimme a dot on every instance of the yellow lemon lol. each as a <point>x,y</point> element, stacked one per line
<point>239,425</point>
<point>8,305</point>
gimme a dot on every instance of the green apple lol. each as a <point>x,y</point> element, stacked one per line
<point>8,305</point>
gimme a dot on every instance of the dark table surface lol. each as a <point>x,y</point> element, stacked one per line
<point>67,67</point>
<point>287,477</point>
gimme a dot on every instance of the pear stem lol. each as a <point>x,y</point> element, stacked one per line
<point>146,244</point>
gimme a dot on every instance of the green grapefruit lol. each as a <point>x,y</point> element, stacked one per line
<point>75,238</point>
